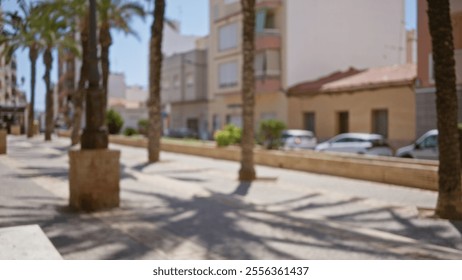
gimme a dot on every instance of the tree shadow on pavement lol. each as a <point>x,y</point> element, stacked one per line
<point>243,188</point>
<point>209,227</point>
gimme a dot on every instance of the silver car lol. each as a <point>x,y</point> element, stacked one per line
<point>298,139</point>
<point>426,147</point>
<point>358,143</point>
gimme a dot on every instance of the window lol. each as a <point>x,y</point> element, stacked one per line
<point>216,12</point>
<point>215,122</point>
<point>268,116</point>
<point>189,79</point>
<point>228,73</point>
<point>380,122</point>
<point>165,84</point>
<point>431,74</point>
<point>267,63</point>
<point>342,122</point>
<point>227,37</point>
<point>309,121</point>
<point>176,81</point>
<point>265,20</point>
<point>430,142</point>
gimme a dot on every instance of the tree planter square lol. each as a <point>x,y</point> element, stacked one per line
<point>94,179</point>
<point>15,130</point>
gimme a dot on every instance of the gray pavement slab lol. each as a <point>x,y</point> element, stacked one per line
<point>188,207</point>
<point>26,243</point>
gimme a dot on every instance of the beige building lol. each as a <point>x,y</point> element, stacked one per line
<point>297,40</point>
<point>425,90</point>
<point>184,92</point>
<point>376,100</point>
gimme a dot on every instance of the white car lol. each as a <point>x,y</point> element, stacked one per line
<point>426,147</point>
<point>298,139</point>
<point>358,143</point>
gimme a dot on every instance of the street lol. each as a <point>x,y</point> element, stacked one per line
<point>189,207</point>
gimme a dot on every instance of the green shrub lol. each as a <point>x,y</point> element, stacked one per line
<point>130,131</point>
<point>270,133</point>
<point>230,135</point>
<point>114,122</point>
<point>143,126</point>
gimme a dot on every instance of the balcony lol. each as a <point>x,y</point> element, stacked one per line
<point>268,39</point>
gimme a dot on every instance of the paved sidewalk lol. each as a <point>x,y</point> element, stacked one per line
<point>188,207</point>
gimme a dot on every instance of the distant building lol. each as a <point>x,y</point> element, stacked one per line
<point>425,90</point>
<point>69,73</point>
<point>296,41</point>
<point>128,101</point>
<point>13,102</point>
<point>376,100</point>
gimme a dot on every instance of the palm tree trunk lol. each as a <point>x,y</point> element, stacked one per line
<point>33,54</point>
<point>48,60</point>
<point>105,42</point>
<point>449,203</point>
<point>79,94</point>
<point>247,171</point>
<point>155,68</point>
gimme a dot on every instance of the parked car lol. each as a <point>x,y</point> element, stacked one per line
<point>183,132</point>
<point>426,147</point>
<point>359,143</point>
<point>298,139</point>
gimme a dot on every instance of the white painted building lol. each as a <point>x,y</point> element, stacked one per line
<point>323,36</point>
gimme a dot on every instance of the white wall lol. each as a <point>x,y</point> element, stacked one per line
<point>456,6</point>
<point>136,93</point>
<point>174,42</point>
<point>324,36</point>
<point>116,85</point>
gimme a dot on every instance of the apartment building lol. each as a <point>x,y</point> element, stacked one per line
<point>425,89</point>
<point>13,102</point>
<point>184,92</point>
<point>297,41</point>
<point>69,73</point>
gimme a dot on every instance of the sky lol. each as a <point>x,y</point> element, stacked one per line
<point>130,55</point>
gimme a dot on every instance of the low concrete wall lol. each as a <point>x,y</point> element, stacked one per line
<point>404,172</point>
<point>3,141</point>
<point>15,130</point>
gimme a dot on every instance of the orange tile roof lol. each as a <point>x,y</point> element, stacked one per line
<point>375,78</point>
<point>353,80</point>
<point>313,87</point>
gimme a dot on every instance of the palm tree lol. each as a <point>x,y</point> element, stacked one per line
<point>115,14</point>
<point>75,12</point>
<point>54,32</point>
<point>79,94</point>
<point>247,171</point>
<point>155,68</point>
<point>449,203</point>
<point>95,134</point>
<point>23,35</point>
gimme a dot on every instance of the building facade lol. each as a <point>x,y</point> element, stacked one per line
<point>376,100</point>
<point>13,102</point>
<point>184,92</point>
<point>425,90</point>
<point>296,41</point>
